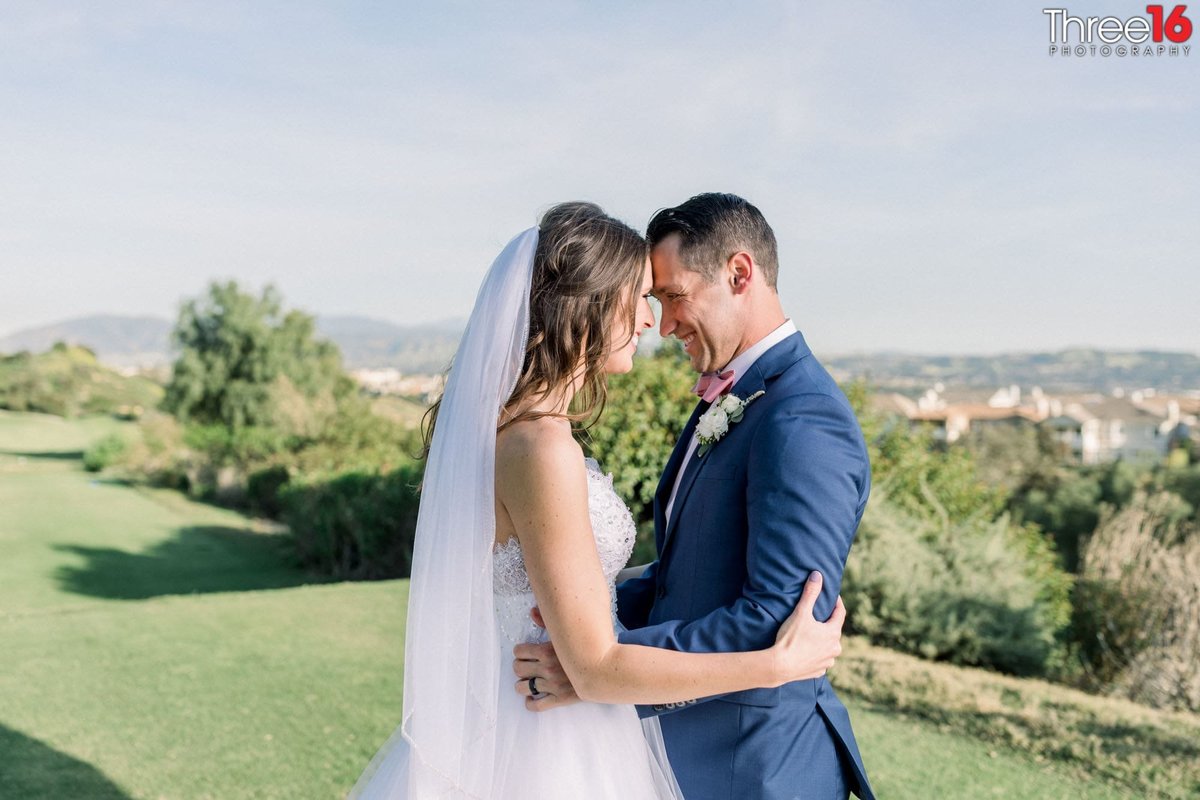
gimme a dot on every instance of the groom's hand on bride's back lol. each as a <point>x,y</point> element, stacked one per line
<point>538,661</point>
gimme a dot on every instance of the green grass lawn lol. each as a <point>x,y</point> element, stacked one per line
<point>908,758</point>
<point>152,647</point>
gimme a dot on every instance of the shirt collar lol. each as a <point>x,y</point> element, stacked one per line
<point>746,359</point>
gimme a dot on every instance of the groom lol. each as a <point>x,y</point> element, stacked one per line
<point>742,517</point>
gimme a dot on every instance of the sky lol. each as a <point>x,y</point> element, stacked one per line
<point>936,180</point>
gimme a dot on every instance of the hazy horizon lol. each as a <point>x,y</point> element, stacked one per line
<point>937,182</point>
<point>650,338</point>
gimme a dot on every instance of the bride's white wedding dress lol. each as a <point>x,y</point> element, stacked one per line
<point>582,751</point>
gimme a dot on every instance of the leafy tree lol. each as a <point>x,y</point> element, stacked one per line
<point>1068,511</point>
<point>1185,482</point>
<point>240,354</point>
<point>930,481</point>
<point>1067,501</point>
<point>1005,455</point>
<point>647,409</point>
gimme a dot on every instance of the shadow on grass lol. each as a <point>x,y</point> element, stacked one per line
<point>198,559</point>
<point>29,768</point>
<point>45,455</point>
<point>1130,741</point>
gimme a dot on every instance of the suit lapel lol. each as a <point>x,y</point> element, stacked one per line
<point>769,365</point>
<point>690,470</point>
<point>662,494</point>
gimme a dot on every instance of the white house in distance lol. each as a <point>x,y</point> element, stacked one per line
<point>391,381</point>
<point>1140,425</point>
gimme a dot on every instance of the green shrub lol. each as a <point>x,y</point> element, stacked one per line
<point>1137,605</point>
<point>1185,482</point>
<point>104,452</point>
<point>1068,511</point>
<point>222,446</point>
<point>357,524</point>
<point>263,487</point>
<point>927,479</point>
<point>158,455</point>
<point>976,592</point>
<point>357,439</point>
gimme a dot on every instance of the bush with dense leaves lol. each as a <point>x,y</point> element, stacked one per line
<point>263,487</point>
<point>104,452</point>
<point>357,524</point>
<point>1184,482</point>
<point>973,591</point>
<point>1066,501</point>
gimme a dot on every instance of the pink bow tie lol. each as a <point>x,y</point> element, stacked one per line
<point>713,384</point>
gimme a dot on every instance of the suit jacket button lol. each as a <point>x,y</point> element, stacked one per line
<point>658,708</point>
<point>662,592</point>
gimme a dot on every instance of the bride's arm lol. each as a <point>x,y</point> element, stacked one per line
<point>542,485</point>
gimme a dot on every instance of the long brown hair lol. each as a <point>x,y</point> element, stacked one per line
<point>586,267</point>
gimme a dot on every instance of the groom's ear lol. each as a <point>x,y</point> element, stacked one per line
<point>739,271</point>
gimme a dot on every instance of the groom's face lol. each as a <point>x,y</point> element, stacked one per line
<point>698,313</point>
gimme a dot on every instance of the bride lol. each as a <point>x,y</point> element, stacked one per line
<point>513,516</point>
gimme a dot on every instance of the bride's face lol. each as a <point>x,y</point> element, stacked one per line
<point>624,341</point>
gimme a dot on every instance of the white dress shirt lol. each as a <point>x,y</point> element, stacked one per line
<point>739,365</point>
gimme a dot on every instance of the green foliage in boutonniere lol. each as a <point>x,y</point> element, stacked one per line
<point>714,423</point>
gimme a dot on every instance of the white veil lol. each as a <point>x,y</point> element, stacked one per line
<point>445,743</point>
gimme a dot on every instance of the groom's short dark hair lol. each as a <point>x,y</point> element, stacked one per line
<point>713,226</point>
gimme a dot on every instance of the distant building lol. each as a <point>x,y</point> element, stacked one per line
<point>1093,428</point>
<point>392,381</point>
<point>957,420</point>
<point>1100,428</point>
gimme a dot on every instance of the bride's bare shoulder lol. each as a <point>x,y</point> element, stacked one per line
<point>535,447</point>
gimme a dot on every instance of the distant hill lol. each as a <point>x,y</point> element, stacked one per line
<point>366,342</point>
<point>122,341</point>
<point>117,340</point>
<point>1060,371</point>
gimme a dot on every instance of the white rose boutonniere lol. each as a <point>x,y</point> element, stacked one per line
<point>714,423</point>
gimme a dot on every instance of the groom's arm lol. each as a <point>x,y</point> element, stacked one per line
<point>806,470</point>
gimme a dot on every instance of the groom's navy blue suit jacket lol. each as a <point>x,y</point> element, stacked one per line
<point>779,496</point>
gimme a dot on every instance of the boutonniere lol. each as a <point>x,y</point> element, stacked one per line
<point>714,423</point>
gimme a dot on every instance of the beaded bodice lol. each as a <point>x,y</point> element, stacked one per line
<point>614,532</point>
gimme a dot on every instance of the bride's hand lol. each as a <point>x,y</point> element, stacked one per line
<point>805,648</point>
